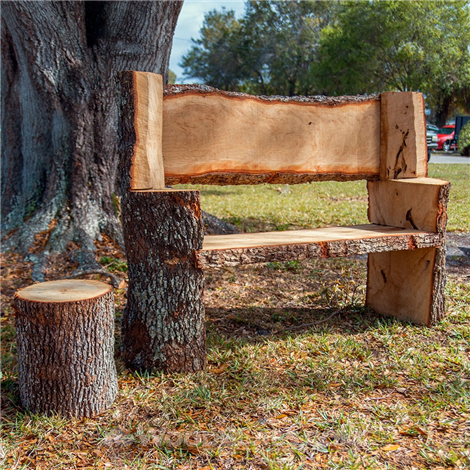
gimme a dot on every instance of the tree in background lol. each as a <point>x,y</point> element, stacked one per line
<point>213,58</point>
<point>172,77</point>
<point>402,46</point>
<point>334,48</point>
<point>59,115</point>
<point>271,50</point>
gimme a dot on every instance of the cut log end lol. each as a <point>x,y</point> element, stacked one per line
<point>64,290</point>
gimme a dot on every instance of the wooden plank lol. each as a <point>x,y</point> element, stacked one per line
<point>403,149</point>
<point>418,203</point>
<point>141,121</point>
<point>408,285</point>
<point>215,137</point>
<point>248,248</point>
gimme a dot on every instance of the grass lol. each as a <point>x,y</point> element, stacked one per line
<point>459,199</point>
<point>272,207</point>
<point>356,391</point>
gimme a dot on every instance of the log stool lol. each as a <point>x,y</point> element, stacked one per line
<point>65,341</point>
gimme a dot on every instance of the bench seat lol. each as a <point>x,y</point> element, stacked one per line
<point>290,245</point>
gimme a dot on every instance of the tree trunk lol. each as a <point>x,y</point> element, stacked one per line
<point>65,333</point>
<point>443,110</point>
<point>59,112</point>
<point>163,325</point>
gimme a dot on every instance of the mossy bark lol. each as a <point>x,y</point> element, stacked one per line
<point>163,325</point>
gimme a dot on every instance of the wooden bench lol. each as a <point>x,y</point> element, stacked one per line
<point>197,134</point>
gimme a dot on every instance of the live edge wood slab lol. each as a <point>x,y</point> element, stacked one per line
<point>216,137</point>
<point>197,134</point>
<point>248,248</point>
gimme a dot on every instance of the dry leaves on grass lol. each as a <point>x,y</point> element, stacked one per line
<point>356,390</point>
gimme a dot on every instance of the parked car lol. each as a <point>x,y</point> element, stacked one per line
<point>431,138</point>
<point>446,138</point>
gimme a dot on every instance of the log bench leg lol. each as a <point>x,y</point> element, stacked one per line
<point>408,285</point>
<point>163,326</point>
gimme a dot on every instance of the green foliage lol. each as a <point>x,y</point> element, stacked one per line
<point>321,47</point>
<point>214,57</point>
<point>271,50</point>
<point>171,77</point>
<point>113,264</point>
<point>464,140</point>
<point>392,45</point>
<point>400,46</point>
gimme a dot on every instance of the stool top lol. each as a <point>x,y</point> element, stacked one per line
<point>65,290</point>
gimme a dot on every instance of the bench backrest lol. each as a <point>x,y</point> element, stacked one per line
<point>197,134</point>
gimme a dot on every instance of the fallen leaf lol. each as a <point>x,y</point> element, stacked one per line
<point>194,450</point>
<point>283,415</point>
<point>390,447</point>
<point>420,431</point>
<point>220,369</point>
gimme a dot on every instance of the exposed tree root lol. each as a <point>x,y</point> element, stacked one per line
<point>45,234</point>
<point>215,226</point>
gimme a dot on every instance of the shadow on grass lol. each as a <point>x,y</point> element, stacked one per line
<point>258,323</point>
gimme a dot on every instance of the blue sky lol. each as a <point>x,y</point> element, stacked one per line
<point>189,24</point>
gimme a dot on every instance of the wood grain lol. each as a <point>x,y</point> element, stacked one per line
<point>403,149</point>
<point>64,290</point>
<point>141,120</point>
<point>213,137</point>
<point>240,249</point>
<point>418,203</point>
<point>407,285</point>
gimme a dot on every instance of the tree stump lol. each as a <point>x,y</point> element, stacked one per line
<point>65,340</point>
<point>163,326</point>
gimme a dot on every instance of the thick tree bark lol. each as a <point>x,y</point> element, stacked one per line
<point>65,332</point>
<point>163,325</point>
<point>59,112</point>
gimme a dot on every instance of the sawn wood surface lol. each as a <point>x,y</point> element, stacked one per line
<point>248,248</point>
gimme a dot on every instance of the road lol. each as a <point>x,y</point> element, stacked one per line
<point>448,158</point>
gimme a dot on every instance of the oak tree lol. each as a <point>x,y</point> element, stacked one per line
<point>59,115</point>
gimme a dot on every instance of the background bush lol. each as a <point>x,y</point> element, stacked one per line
<point>464,140</point>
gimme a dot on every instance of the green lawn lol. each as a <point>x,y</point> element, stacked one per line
<point>459,199</point>
<point>288,386</point>
<point>273,207</point>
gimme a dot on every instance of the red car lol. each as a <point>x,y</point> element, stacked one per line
<point>445,138</point>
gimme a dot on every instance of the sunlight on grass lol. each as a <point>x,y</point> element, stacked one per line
<point>300,373</point>
<point>272,207</point>
<point>282,207</point>
<point>458,210</point>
